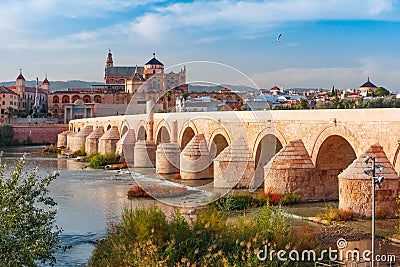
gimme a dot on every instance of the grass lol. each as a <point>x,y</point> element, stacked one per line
<point>97,161</point>
<point>332,213</point>
<point>146,237</point>
<point>80,152</point>
<point>51,149</point>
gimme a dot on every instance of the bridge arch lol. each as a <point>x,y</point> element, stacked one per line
<point>267,144</point>
<point>268,132</point>
<point>141,130</point>
<point>219,140</point>
<point>188,131</point>
<point>163,132</point>
<point>163,135</point>
<point>142,133</point>
<point>330,130</point>
<point>125,128</point>
<point>396,160</point>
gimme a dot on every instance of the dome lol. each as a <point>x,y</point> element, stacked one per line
<point>154,61</point>
<point>20,76</point>
<point>45,81</point>
<point>368,84</point>
<point>79,102</point>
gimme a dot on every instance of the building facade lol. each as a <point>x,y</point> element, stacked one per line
<point>31,97</point>
<point>8,98</point>
<point>149,78</point>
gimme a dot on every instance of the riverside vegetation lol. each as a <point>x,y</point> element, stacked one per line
<point>216,237</point>
<point>28,232</point>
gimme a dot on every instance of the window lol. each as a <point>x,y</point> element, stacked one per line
<point>4,102</point>
<point>11,102</point>
<point>97,99</point>
<point>65,99</point>
<point>55,99</point>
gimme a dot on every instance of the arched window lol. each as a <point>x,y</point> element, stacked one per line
<point>65,99</point>
<point>55,99</point>
<point>97,99</point>
<point>87,99</point>
<point>75,97</point>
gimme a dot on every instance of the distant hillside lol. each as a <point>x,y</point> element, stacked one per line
<point>57,85</point>
<point>201,88</point>
<point>63,85</point>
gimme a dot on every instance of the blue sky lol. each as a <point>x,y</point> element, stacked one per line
<point>323,43</point>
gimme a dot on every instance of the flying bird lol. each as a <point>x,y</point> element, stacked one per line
<point>279,38</point>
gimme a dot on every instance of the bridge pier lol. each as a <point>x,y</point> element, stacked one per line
<point>234,166</point>
<point>125,147</point>
<point>355,187</point>
<point>291,171</point>
<point>79,139</point>
<point>108,142</point>
<point>168,154</point>
<point>195,159</point>
<point>62,139</point>
<point>145,150</point>
<point>92,141</point>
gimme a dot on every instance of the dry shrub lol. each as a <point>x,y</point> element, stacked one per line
<point>345,215</point>
<point>382,212</point>
<point>156,191</point>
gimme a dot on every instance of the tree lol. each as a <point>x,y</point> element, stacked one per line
<point>9,111</point>
<point>303,104</point>
<point>28,232</point>
<point>333,92</point>
<point>6,135</point>
<point>381,91</point>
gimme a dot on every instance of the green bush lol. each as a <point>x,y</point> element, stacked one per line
<point>145,237</point>
<point>51,149</point>
<point>80,152</point>
<point>97,161</point>
<point>6,135</point>
<point>232,202</point>
<point>28,232</point>
<point>27,141</point>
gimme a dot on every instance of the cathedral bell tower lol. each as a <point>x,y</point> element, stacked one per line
<point>109,64</point>
<point>109,61</point>
<point>20,84</point>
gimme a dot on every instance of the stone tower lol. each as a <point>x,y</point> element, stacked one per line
<point>20,84</point>
<point>153,66</point>
<point>109,61</point>
<point>46,85</point>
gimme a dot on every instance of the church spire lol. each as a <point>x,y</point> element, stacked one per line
<point>109,61</point>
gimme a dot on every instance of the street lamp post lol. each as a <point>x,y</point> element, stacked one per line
<point>376,181</point>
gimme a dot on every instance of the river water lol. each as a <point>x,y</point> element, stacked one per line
<point>88,201</point>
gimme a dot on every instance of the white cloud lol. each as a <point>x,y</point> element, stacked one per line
<point>382,71</point>
<point>256,16</point>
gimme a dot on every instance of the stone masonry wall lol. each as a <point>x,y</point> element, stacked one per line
<point>40,133</point>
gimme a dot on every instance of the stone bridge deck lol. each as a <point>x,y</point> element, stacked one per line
<point>301,151</point>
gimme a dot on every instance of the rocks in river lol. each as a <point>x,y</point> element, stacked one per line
<point>331,233</point>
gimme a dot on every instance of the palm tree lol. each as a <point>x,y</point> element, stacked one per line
<point>9,112</point>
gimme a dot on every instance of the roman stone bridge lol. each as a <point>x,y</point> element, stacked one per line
<point>315,153</point>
